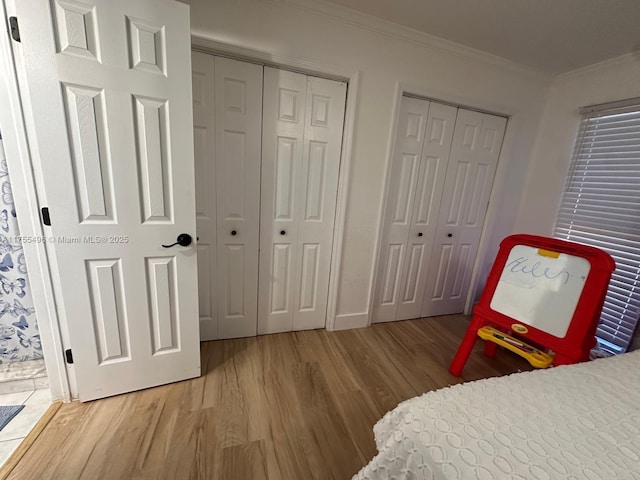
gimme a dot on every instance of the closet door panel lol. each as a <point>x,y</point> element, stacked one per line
<point>204,151</point>
<point>316,201</point>
<point>302,139</point>
<point>426,205</point>
<point>491,139</point>
<point>474,209</point>
<point>474,157</point>
<point>282,152</point>
<point>238,118</point>
<point>404,177</point>
<point>457,185</point>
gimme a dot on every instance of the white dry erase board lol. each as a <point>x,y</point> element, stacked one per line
<point>540,288</point>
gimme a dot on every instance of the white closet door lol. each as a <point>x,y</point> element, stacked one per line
<point>238,117</point>
<point>404,173</point>
<point>474,156</point>
<point>426,207</point>
<point>317,200</point>
<point>282,146</point>
<point>202,67</point>
<point>302,141</point>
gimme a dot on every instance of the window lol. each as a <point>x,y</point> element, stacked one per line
<point>601,207</point>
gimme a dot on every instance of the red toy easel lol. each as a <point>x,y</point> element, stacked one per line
<point>580,335</point>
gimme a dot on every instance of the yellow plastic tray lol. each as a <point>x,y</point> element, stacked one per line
<point>534,356</point>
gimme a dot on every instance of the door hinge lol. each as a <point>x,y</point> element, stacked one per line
<point>46,219</point>
<point>68,355</point>
<point>15,29</point>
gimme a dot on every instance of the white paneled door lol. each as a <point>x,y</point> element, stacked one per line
<point>421,152</point>
<point>477,141</point>
<point>301,143</point>
<point>204,150</point>
<point>412,122</point>
<point>110,91</point>
<point>424,215</point>
<point>442,170</point>
<point>266,185</point>
<point>238,119</point>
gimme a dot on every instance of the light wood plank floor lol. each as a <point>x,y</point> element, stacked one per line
<point>288,406</point>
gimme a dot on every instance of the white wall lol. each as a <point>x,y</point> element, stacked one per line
<point>341,44</point>
<point>616,79</point>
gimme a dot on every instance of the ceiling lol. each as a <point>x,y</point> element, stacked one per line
<point>551,35</point>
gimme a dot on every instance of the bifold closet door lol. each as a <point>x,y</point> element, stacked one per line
<point>202,66</point>
<point>301,145</point>
<point>426,206</point>
<point>419,163</point>
<point>238,119</point>
<point>477,141</point>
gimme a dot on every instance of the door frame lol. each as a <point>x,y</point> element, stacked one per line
<point>306,67</point>
<point>23,166</point>
<point>459,101</point>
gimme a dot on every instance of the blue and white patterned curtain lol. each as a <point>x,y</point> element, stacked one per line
<point>19,335</point>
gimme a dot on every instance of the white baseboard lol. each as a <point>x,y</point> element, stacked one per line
<point>351,320</point>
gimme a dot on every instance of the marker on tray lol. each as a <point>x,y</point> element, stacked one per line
<point>520,345</point>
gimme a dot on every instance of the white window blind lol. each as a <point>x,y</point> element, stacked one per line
<point>601,207</point>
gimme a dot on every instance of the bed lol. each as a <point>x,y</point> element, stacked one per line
<point>570,422</point>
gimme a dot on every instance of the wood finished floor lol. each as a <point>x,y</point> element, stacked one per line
<point>296,406</point>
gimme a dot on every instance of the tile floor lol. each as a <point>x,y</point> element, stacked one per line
<point>35,402</point>
<point>23,376</point>
<point>22,383</point>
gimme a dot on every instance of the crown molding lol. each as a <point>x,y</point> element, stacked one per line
<point>377,25</point>
<point>622,60</point>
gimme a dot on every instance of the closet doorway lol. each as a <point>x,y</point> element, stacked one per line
<point>440,177</point>
<point>267,154</point>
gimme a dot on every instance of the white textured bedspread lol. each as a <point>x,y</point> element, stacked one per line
<point>577,422</point>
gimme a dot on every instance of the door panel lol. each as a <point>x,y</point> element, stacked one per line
<point>238,117</point>
<point>309,277</point>
<point>414,265</point>
<point>85,109</point>
<point>161,281</point>
<point>302,141</point>
<point>234,275</point>
<point>458,193</point>
<point>409,164</point>
<point>443,265</point>
<point>430,190</point>
<point>202,66</point>
<point>473,161</point>
<point>281,281</point>
<point>412,123</point>
<point>107,299</point>
<point>154,173</point>
<point>118,179</point>
<point>459,280</point>
<point>390,279</point>
<point>317,203</point>
<point>457,184</point>
<point>423,141</point>
<point>282,146</point>
<point>426,205</point>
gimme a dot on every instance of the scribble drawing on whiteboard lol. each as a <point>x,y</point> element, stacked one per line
<point>540,290</point>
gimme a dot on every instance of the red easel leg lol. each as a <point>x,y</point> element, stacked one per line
<point>464,350</point>
<point>490,349</point>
